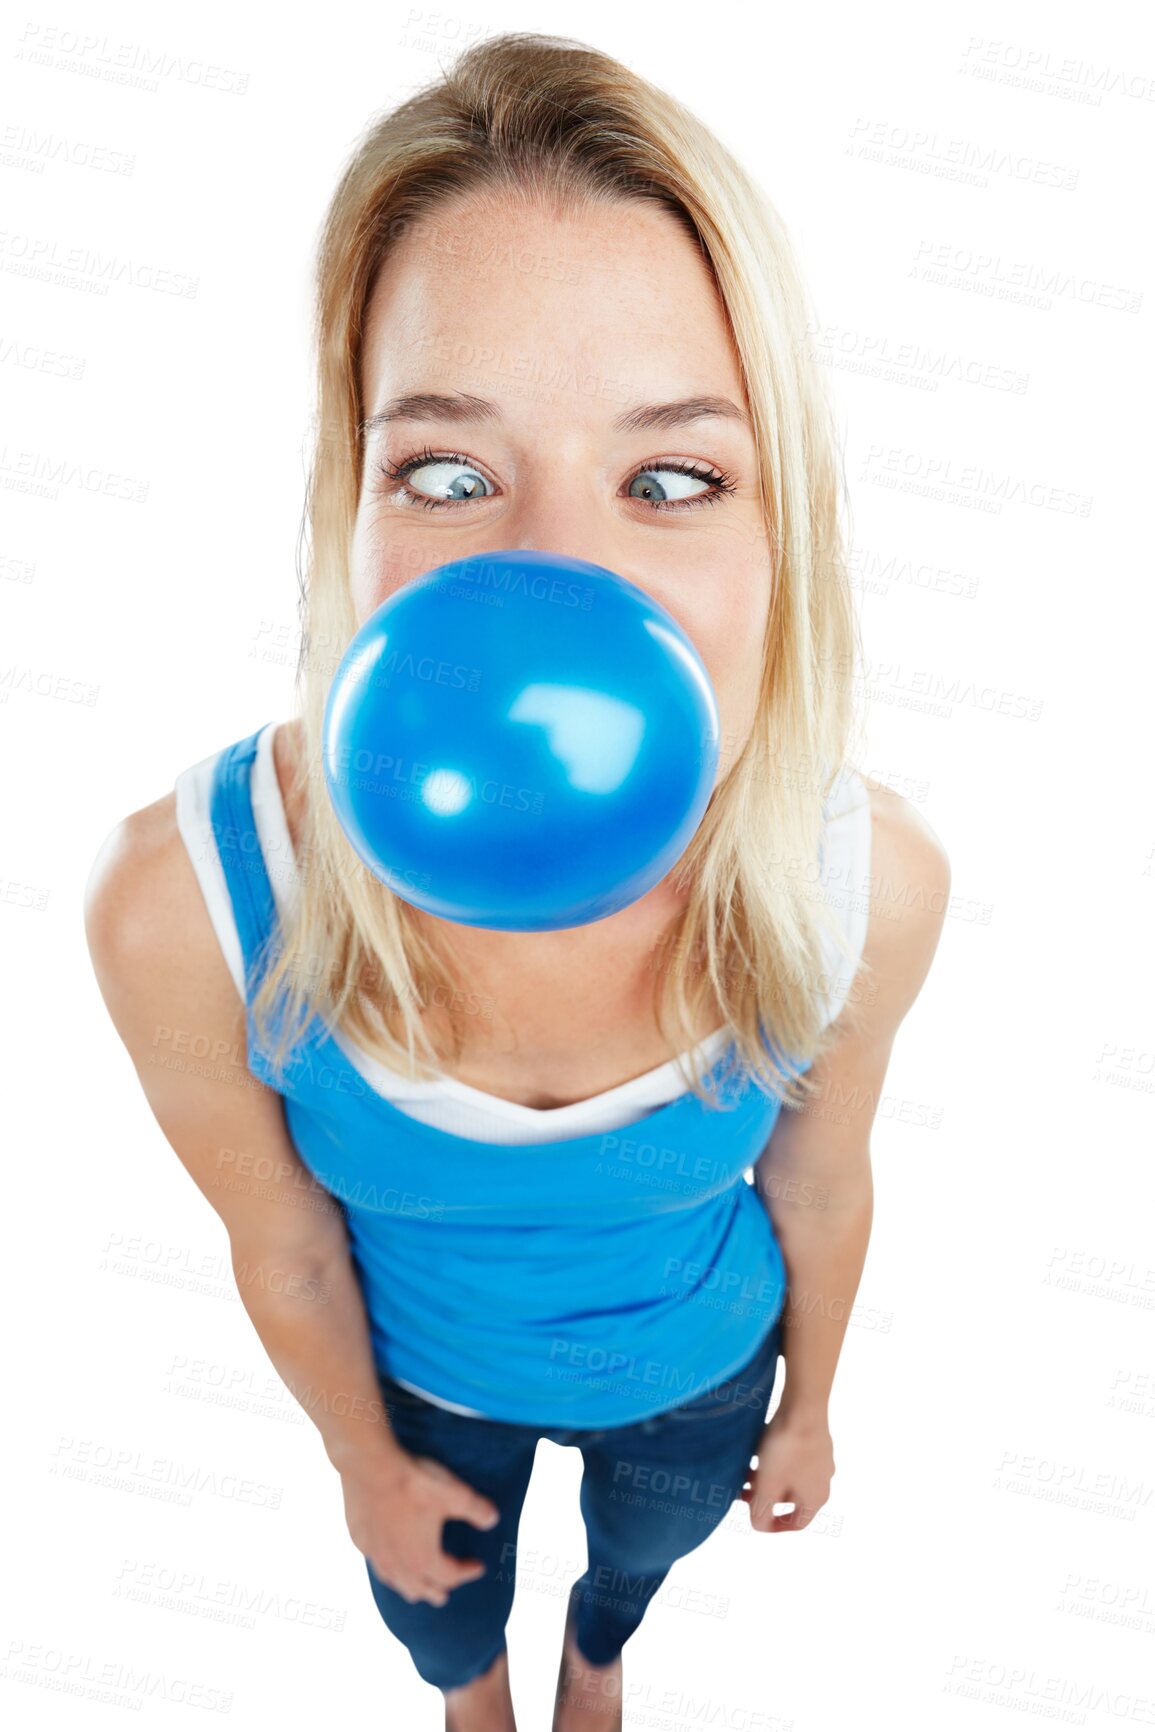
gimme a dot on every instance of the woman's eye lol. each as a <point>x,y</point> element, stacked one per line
<point>445,480</point>
<point>679,478</point>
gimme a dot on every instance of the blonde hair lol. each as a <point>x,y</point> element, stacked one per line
<point>537,115</point>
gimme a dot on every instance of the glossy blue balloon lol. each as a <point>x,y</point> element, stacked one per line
<point>520,741</point>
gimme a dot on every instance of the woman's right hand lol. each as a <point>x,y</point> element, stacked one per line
<point>395,1508</point>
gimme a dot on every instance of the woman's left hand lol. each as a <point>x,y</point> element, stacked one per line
<point>795,1465</point>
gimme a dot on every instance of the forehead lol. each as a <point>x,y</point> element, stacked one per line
<point>594,309</point>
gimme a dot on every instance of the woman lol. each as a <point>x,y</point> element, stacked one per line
<point>489,1177</point>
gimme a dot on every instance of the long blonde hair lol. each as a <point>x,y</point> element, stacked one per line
<point>537,114</point>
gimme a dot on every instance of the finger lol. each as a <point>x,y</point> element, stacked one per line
<point>476,1510</point>
<point>453,1571</point>
<point>468,1505</point>
<point>438,1589</point>
<point>797,1516</point>
<point>761,1505</point>
<point>788,1522</point>
<point>456,1497</point>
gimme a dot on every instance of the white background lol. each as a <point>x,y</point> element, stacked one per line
<point>985,1555</point>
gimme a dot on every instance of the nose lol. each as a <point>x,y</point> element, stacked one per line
<point>574,526</point>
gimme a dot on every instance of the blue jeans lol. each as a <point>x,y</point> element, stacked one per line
<point>651,1492</point>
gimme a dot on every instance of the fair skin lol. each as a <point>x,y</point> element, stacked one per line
<point>640,325</point>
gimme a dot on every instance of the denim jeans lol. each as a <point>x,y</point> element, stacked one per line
<point>651,1492</point>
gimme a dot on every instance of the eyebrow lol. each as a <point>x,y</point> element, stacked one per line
<point>462,407</point>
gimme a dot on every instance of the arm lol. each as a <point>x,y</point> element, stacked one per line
<point>814,1175</point>
<point>160,970</point>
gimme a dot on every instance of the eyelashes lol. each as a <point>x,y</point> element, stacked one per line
<point>721,484</point>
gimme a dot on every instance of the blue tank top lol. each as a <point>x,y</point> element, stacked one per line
<point>587,1282</point>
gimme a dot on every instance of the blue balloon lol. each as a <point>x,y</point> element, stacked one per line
<point>520,741</point>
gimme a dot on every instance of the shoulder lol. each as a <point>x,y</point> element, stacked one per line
<point>141,886</point>
<point>909,892</point>
<point>154,944</point>
<point>157,896</point>
<point>161,971</point>
<point>157,889</point>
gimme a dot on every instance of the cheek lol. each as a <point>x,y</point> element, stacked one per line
<point>728,630</point>
<point>379,567</point>
<point>728,625</point>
